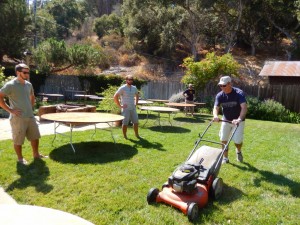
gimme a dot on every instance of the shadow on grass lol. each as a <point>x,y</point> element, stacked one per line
<point>276,179</point>
<point>93,152</point>
<point>146,144</point>
<point>195,119</point>
<point>169,129</point>
<point>35,174</point>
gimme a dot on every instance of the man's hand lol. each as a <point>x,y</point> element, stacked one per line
<point>237,121</point>
<point>16,112</point>
<point>216,119</point>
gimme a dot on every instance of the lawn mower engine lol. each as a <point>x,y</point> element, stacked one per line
<point>184,178</point>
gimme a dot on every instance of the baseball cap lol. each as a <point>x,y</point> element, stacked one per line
<point>224,80</point>
<point>21,66</point>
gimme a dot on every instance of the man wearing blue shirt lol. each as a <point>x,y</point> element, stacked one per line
<point>234,108</point>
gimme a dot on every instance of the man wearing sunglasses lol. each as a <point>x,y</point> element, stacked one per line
<point>129,96</point>
<point>21,101</point>
<point>234,108</point>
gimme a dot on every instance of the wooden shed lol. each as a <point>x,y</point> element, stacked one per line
<point>282,72</point>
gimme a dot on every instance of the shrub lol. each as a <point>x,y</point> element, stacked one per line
<point>270,110</point>
<point>108,104</point>
<point>177,97</point>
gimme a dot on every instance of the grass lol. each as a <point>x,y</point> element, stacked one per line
<point>108,184</point>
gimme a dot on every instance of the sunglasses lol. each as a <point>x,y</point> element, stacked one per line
<point>223,85</point>
<point>25,72</point>
<point>130,79</point>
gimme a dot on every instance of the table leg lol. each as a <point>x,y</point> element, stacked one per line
<point>170,119</point>
<point>71,135</point>
<point>111,133</point>
<point>146,119</point>
<point>55,127</point>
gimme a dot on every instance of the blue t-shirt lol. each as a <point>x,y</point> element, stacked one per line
<point>230,103</point>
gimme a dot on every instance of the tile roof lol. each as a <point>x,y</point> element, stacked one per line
<point>281,68</point>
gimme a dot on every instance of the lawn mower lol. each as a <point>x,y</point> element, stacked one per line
<point>194,181</point>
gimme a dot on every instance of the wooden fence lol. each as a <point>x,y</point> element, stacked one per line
<point>287,95</point>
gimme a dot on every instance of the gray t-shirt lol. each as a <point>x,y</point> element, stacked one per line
<point>127,95</point>
<point>19,96</point>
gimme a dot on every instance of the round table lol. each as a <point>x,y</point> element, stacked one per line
<point>181,104</point>
<point>74,119</point>
<point>159,110</point>
<point>144,102</point>
<point>158,100</point>
<point>56,96</point>
<point>15,214</point>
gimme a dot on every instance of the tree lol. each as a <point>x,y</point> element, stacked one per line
<point>53,56</point>
<point>68,15</point>
<point>105,25</point>
<point>200,73</point>
<point>13,23</point>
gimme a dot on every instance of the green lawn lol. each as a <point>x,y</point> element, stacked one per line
<point>108,184</point>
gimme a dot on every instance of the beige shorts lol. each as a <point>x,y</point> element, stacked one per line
<point>227,128</point>
<point>130,115</point>
<point>24,127</point>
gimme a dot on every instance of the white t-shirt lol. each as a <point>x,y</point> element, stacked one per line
<point>127,94</point>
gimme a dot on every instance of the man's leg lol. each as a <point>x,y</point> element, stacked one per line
<point>124,129</point>
<point>35,148</point>
<point>136,129</point>
<point>18,150</point>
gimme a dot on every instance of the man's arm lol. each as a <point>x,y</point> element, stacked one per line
<point>242,115</point>
<point>216,113</point>
<point>116,100</point>
<point>32,99</point>
<point>137,98</point>
<point>243,111</point>
<point>4,106</point>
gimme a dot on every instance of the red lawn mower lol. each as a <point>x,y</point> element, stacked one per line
<point>191,184</point>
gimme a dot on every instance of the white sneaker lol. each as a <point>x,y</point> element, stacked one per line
<point>225,160</point>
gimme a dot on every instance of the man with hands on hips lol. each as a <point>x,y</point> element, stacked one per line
<point>129,96</point>
<point>234,108</point>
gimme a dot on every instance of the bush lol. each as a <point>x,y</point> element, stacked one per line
<point>177,97</point>
<point>270,110</point>
<point>108,104</point>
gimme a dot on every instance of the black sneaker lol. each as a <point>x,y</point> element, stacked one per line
<point>239,156</point>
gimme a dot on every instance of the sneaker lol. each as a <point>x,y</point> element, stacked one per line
<point>239,156</point>
<point>23,161</point>
<point>225,160</point>
<point>42,157</point>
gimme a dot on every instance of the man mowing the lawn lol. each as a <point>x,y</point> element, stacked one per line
<point>234,108</point>
<point>21,101</point>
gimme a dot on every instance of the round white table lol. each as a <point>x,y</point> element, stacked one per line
<point>73,119</point>
<point>15,214</point>
<point>159,110</point>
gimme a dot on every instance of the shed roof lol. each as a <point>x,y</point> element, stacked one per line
<point>281,68</point>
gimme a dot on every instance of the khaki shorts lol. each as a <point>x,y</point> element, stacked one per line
<point>130,115</point>
<point>227,128</point>
<point>24,127</point>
